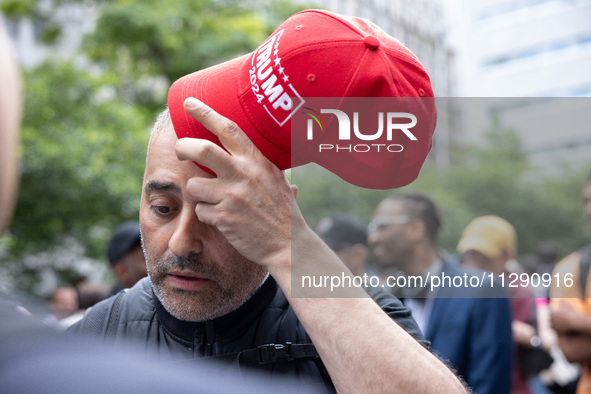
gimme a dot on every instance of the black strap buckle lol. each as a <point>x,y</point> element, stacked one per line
<point>274,352</point>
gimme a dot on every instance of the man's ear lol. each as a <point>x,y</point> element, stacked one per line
<point>360,253</point>
<point>416,229</point>
<point>294,189</point>
<point>120,271</point>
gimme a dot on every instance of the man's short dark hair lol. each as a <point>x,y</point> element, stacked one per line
<point>341,231</point>
<point>421,207</point>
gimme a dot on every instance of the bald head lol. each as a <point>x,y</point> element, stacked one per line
<point>164,135</point>
<point>10,115</point>
<point>163,125</point>
<point>163,122</point>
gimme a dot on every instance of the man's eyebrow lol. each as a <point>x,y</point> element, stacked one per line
<point>162,186</point>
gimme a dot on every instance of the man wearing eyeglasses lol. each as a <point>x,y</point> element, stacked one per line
<point>468,326</point>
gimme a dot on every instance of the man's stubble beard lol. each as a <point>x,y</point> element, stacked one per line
<point>222,294</point>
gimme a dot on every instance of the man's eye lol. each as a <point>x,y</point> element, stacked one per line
<point>161,209</point>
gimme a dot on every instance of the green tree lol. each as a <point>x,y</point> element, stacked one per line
<point>87,119</point>
<point>82,160</point>
<point>493,179</point>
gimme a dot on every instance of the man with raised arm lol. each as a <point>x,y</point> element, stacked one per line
<point>223,238</point>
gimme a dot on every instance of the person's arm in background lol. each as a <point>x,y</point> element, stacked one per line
<point>573,330</point>
<point>565,319</point>
<point>253,206</point>
<point>572,325</point>
<point>524,315</point>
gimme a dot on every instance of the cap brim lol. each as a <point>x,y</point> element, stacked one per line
<point>478,244</point>
<point>219,88</point>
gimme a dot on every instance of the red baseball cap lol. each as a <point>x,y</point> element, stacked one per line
<point>314,53</point>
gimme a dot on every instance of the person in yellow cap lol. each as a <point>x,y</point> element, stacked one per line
<point>489,243</point>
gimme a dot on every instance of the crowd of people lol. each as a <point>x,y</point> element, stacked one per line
<point>515,339</point>
<point>502,342</point>
<point>205,293</point>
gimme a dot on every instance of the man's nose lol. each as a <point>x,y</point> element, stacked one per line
<point>188,234</point>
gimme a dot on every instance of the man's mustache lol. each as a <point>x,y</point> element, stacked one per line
<point>191,262</point>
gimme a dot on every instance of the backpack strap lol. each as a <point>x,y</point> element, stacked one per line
<point>267,354</point>
<point>584,265</point>
<point>274,352</point>
<point>102,319</point>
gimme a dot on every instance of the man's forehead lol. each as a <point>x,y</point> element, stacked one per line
<point>162,161</point>
<point>390,207</point>
<point>163,139</point>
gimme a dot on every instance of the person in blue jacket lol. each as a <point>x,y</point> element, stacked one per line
<point>467,325</point>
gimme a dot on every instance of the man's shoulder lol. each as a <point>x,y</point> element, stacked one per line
<point>568,263</point>
<point>279,316</point>
<point>483,299</point>
<point>569,269</point>
<point>137,300</point>
<point>129,304</point>
<point>470,283</point>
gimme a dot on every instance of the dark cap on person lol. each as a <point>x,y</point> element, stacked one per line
<point>342,230</point>
<point>124,238</point>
